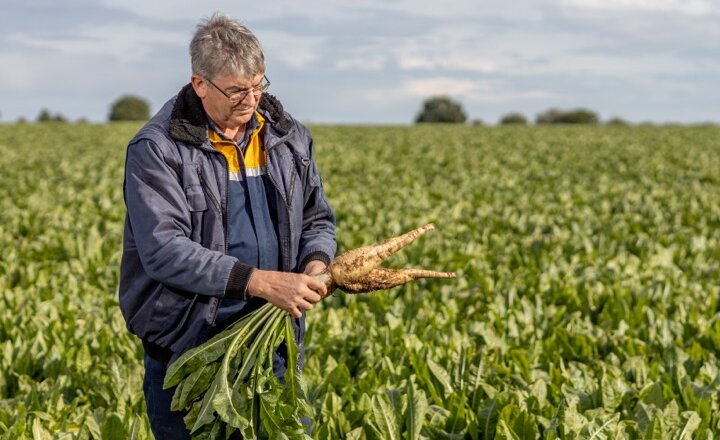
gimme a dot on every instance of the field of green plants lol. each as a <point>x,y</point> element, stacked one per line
<point>586,304</point>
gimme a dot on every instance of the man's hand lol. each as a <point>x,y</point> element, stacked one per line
<point>292,292</point>
<point>314,267</point>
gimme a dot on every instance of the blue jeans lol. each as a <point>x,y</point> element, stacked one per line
<point>165,424</point>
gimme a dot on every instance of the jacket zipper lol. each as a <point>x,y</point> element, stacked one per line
<point>275,184</point>
<point>206,187</point>
<point>286,202</point>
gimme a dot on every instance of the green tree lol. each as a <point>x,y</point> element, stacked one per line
<point>46,116</point>
<point>441,109</point>
<point>513,118</point>
<point>579,116</point>
<point>549,116</point>
<point>617,121</point>
<point>575,116</point>
<point>130,108</point>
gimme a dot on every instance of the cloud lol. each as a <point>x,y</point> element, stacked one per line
<point>296,52</point>
<point>24,73</point>
<point>246,12</point>
<point>446,52</point>
<point>344,60</point>
<point>686,7</point>
<point>123,42</point>
<point>633,24</point>
<point>469,90</point>
<point>375,62</point>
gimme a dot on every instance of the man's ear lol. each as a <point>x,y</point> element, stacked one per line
<point>199,85</point>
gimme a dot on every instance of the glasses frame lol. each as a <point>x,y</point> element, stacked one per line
<point>239,96</point>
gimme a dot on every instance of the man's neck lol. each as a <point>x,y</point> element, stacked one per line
<point>232,133</point>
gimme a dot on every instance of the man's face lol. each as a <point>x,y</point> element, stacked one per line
<point>229,100</point>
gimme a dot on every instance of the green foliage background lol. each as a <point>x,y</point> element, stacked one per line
<point>586,304</point>
<point>129,108</point>
<point>441,109</point>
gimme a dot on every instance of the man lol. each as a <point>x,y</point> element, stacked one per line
<point>225,211</point>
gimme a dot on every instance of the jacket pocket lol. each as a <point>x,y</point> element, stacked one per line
<point>170,316</point>
<point>206,189</point>
<point>197,205</point>
<point>196,198</point>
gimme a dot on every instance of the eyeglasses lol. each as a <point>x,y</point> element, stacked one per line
<point>240,95</point>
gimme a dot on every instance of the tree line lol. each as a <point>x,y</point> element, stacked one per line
<point>441,109</point>
<point>445,109</point>
<point>125,108</point>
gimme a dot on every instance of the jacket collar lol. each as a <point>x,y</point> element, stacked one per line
<point>188,121</point>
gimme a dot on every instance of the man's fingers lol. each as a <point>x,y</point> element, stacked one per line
<point>304,305</point>
<point>299,307</point>
<point>312,296</point>
<point>318,286</point>
<point>291,292</point>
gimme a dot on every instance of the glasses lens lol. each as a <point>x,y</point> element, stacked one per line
<point>238,97</point>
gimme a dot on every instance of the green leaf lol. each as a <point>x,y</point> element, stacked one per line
<point>278,416</point>
<point>214,348</point>
<point>206,412</point>
<point>503,432</point>
<point>689,424</point>
<point>113,428</point>
<point>653,395</point>
<point>39,432</point>
<point>355,434</point>
<point>517,422</point>
<point>385,418</point>
<point>227,400</point>
<point>92,426</point>
<point>488,417</point>
<point>211,431</point>
<point>416,409</point>
<point>292,371</point>
<point>260,335</point>
<point>599,433</point>
<point>193,386</point>
<point>613,389</point>
<point>83,360</point>
<point>654,430</point>
<point>441,375</point>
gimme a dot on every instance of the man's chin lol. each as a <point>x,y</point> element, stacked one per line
<point>243,115</point>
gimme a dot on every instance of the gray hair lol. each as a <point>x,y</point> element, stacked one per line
<point>222,45</point>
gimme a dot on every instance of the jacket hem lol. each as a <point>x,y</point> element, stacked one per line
<point>158,353</point>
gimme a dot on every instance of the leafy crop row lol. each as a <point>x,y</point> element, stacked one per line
<point>586,304</point>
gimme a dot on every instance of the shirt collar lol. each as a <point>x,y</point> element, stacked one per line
<point>249,127</point>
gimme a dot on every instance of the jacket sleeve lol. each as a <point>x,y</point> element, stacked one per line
<point>317,240</point>
<point>159,216</point>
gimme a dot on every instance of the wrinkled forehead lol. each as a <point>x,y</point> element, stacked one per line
<point>239,79</point>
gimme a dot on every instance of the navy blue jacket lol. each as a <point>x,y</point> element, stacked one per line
<point>175,267</point>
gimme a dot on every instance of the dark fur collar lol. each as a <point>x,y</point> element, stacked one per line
<point>188,122</point>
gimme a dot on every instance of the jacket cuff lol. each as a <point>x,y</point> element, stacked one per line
<point>237,282</point>
<point>317,255</point>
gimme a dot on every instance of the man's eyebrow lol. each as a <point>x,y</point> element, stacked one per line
<point>238,88</point>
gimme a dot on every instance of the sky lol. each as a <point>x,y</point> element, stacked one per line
<point>374,62</point>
